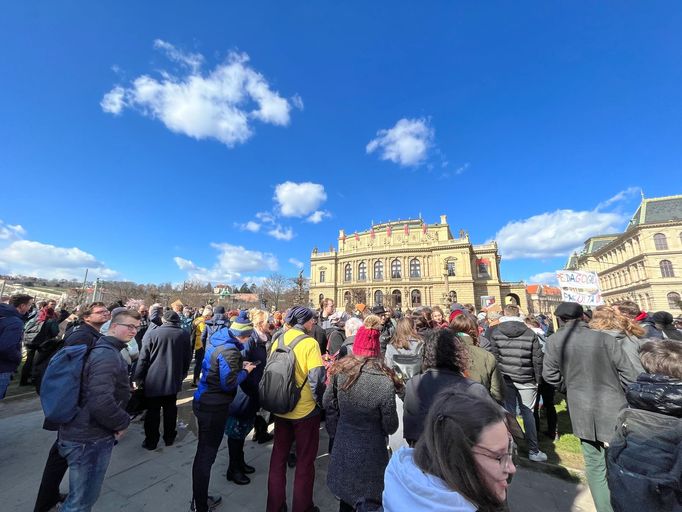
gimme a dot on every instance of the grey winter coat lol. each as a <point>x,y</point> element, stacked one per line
<point>593,369</point>
<point>367,416</point>
<point>164,360</point>
<point>105,394</point>
<point>631,346</point>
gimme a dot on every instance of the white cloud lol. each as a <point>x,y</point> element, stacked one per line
<point>221,104</point>
<point>296,262</point>
<point>27,257</point>
<point>543,278</point>
<point>406,144</point>
<point>299,199</point>
<point>113,102</point>
<point>281,234</point>
<point>559,233</point>
<point>234,264</point>
<point>266,217</point>
<point>318,216</point>
<point>252,226</point>
<point>297,101</point>
<point>11,231</point>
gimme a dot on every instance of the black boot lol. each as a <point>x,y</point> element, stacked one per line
<point>261,433</point>
<point>235,473</point>
<point>246,469</point>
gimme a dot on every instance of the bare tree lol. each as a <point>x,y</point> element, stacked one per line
<point>274,288</point>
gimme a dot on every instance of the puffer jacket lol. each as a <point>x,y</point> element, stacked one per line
<point>105,394</point>
<point>517,349</point>
<point>213,325</point>
<point>221,372</point>
<point>644,459</point>
<point>656,393</point>
<point>647,323</point>
<point>11,331</point>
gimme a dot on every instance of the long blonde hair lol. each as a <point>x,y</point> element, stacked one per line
<point>606,318</point>
<point>404,332</point>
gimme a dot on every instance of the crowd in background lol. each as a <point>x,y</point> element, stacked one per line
<point>420,405</point>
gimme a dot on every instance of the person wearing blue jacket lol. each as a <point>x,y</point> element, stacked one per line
<point>11,332</point>
<point>223,370</point>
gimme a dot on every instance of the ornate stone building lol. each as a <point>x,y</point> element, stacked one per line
<point>643,264</point>
<point>542,298</point>
<point>410,263</point>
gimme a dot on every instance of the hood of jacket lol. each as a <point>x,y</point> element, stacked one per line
<point>407,487</point>
<point>223,337</point>
<point>511,326</point>
<point>8,311</point>
<point>656,393</point>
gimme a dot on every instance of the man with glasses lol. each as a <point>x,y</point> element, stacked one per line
<point>87,440</point>
<point>86,332</point>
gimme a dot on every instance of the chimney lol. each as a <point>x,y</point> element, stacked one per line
<point>443,219</point>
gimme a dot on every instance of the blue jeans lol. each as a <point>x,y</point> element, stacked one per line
<point>4,382</point>
<point>88,463</point>
<point>524,396</point>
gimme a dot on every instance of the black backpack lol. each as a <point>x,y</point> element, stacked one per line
<point>407,366</point>
<point>644,462</point>
<point>277,390</point>
<point>31,331</point>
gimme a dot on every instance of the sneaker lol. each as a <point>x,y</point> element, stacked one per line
<point>537,456</point>
<point>212,501</point>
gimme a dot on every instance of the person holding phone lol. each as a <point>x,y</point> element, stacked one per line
<point>244,408</point>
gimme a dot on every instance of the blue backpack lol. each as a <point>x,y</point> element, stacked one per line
<point>60,390</point>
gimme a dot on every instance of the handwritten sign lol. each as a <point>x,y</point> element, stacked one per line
<point>579,286</point>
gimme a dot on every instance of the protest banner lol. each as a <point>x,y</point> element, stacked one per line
<point>580,286</point>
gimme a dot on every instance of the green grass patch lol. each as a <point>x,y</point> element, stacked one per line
<point>564,451</point>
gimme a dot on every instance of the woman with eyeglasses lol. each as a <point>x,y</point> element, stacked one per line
<point>461,463</point>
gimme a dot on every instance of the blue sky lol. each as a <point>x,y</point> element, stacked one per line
<point>163,141</point>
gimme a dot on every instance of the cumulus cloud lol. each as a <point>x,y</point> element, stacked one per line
<point>221,104</point>
<point>406,144</point>
<point>299,199</point>
<point>559,233</point>
<point>234,264</point>
<point>318,216</point>
<point>281,234</point>
<point>28,257</point>
<point>296,263</point>
<point>252,226</point>
<point>543,278</point>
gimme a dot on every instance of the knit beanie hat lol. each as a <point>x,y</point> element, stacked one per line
<point>366,342</point>
<point>241,326</point>
<point>298,315</point>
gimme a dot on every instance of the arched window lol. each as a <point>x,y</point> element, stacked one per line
<point>378,298</point>
<point>322,276</point>
<point>362,271</point>
<point>396,298</point>
<point>667,269</point>
<point>347,297</point>
<point>673,300</point>
<point>347,272</point>
<point>415,268</point>
<point>451,268</point>
<point>416,298</point>
<point>378,270</point>
<point>321,298</point>
<point>660,242</point>
<point>395,269</point>
<point>453,296</point>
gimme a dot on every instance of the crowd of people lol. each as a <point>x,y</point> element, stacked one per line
<point>420,406</point>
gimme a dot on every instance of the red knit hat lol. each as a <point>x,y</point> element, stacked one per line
<point>366,342</point>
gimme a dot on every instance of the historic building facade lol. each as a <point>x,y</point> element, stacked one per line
<point>409,263</point>
<point>644,263</point>
<point>542,298</point>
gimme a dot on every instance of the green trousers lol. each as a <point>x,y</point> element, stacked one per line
<point>594,453</point>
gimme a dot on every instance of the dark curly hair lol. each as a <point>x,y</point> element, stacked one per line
<point>443,349</point>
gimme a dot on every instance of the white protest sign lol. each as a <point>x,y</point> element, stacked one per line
<point>579,286</point>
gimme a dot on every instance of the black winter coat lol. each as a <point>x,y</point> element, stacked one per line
<point>518,351</point>
<point>421,392</point>
<point>644,459</point>
<point>335,338</point>
<point>650,327</point>
<point>164,360</point>
<point>105,394</point>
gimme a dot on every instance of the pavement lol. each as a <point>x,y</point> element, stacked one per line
<point>160,481</point>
